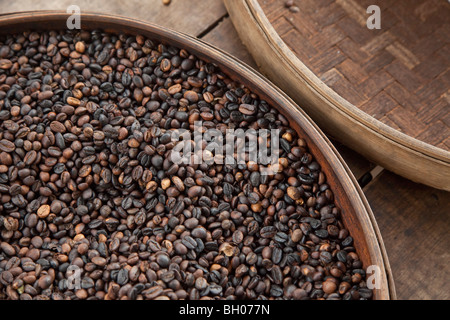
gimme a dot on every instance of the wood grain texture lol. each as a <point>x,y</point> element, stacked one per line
<point>414,221</point>
<point>382,143</point>
<point>192,17</point>
<point>225,37</point>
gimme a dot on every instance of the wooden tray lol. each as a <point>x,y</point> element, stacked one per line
<point>384,93</point>
<point>356,213</point>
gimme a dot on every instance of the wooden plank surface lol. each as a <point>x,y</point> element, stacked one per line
<point>192,17</point>
<point>414,222</point>
<point>225,37</point>
<point>414,219</point>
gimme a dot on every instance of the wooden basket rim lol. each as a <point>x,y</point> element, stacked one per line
<point>346,180</point>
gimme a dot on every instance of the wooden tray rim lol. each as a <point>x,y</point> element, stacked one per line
<point>339,168</point>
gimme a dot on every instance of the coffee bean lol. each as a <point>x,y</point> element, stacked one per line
<point>45,282</point>
<point>268,232</point>
<point>195,191</point>
<point>163,260</point>
<point>189,242</point>
<point>251,258</point>
<point>365,293</point>
<point>241,271</point>
<point>238,236</point>
<point>191,96</point>
<point>342,256</point>
<point>43,211</point>
<point>296,235</point>
<point>255,179</point>
<point>325,257</point>
<point>276,291</point>
<point>347,241</point>
<point>99,261</point>
<point>247,109</point>
<point>277,275</point>
<point>180,249</point>
<point>153,292</point>
<point>7,249</point>
<point>329,287</point>
<point>122,277</point>
<point>7,146</point>
<point>80,47</point>
<point>199,232</point>
<point>294,193</point>
<point>168,276</point>
<point>277,255</point>
<point>201,283</point>
<point>191,223</point>
<point>5,64</point>
<point>165,65</point>
<point>57,127</point>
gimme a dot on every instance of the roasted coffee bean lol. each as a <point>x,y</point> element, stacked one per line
<point>189,242</point>
<point>122,277</point>
<point>5,64</point>
<point>7,249</point>
<point>199,232</point>
<point>7,146</point>
<point>43,211</point>
<point>329,287</point>
<point>296,235</point>
<point>276,291</point>
<point>163,260</point>
<point>247,109</point>
<point>153,292</point>
<point>268,232</point>
<point>277,275</point>
<point>238,236</point>
<point>99,261</point>
<point>347,241</point>
<point>277,255</point>
<point>294,193</point>
<point>194,191</point>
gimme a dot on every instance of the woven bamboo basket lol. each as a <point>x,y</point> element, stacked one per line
<point>383,92</point>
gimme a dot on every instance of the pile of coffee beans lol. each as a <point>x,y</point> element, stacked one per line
<point>92,207</point>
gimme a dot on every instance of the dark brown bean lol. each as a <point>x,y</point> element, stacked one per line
<point>247,109</point>
<point>7,146</point>
<point>7,249</point>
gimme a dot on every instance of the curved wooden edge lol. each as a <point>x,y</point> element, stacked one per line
<point>339,175</point>
<point>389,278</point>
<point>395,151</point>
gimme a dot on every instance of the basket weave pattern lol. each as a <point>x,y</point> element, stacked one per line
<point>399,74</point>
